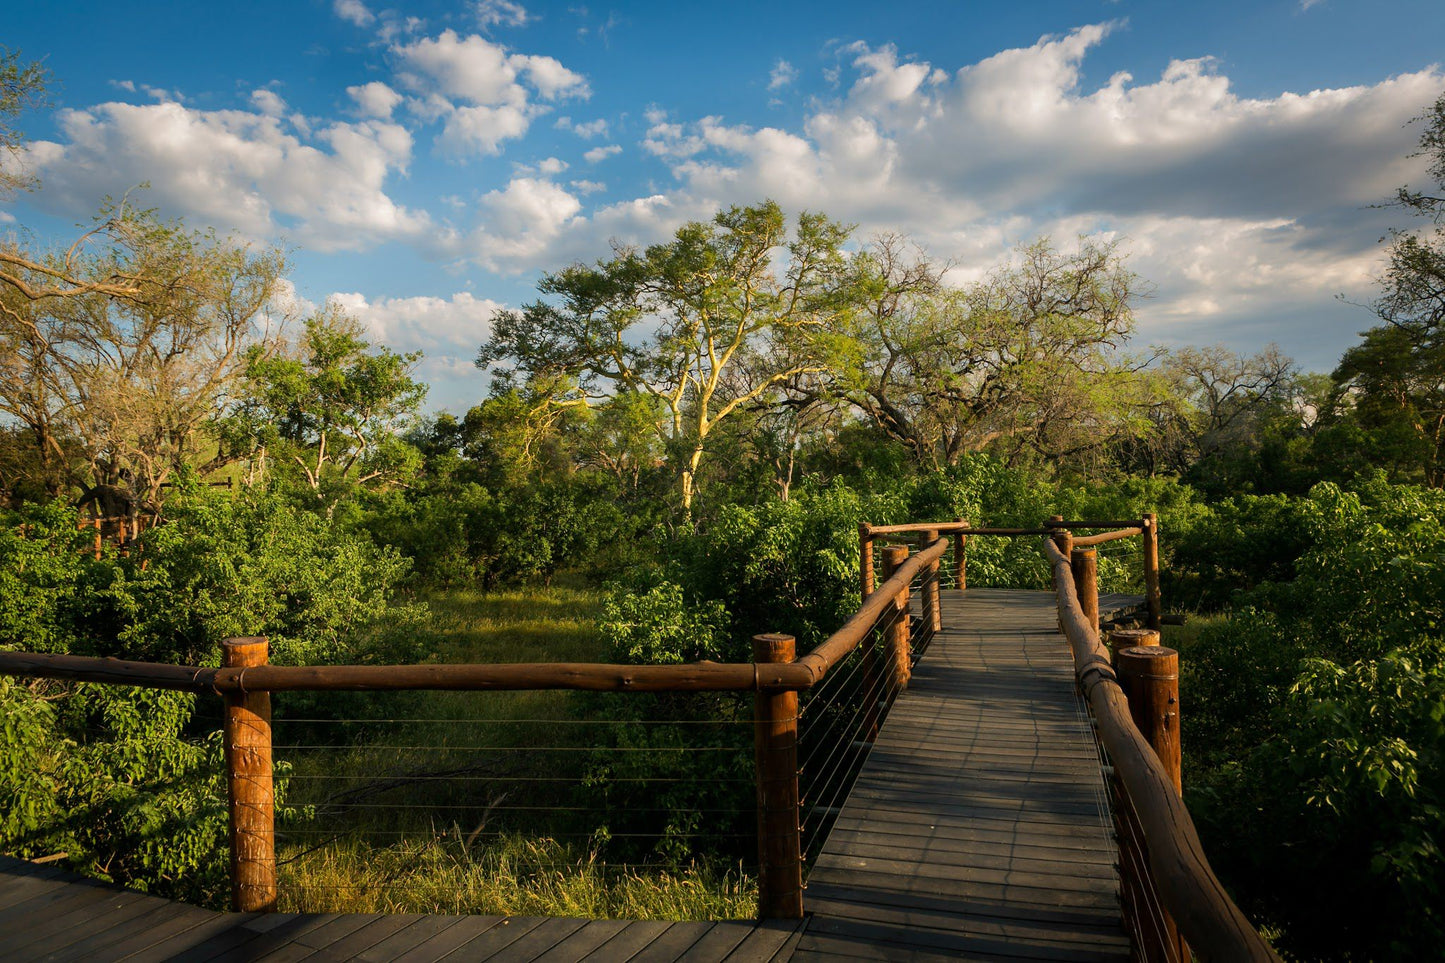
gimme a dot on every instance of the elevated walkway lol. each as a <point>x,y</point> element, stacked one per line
<point>978,829</point>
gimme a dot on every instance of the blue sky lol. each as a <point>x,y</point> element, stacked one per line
<point>425,162</point>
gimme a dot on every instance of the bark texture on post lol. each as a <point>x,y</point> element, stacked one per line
<point>248,778</point>
<point>865,561</point>
<point>960,560</point>
<point>775,742</point>
<point>932,612</point>
<point>1149,676</point>
<point>1151,569</point>
<point>900,648</point>
<point>1085,565</point>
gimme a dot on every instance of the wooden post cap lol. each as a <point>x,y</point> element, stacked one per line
<point>1129,638</point>
<point>245,651</point>
<point>1149,662</point>
<point>774,647</point>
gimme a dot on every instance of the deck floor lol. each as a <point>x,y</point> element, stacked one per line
<point>978,828</point>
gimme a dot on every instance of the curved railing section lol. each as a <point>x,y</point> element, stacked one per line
<point>1173,884</point>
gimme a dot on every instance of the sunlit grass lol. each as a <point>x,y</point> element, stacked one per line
<point>515,876</point>
<point>361,788</point>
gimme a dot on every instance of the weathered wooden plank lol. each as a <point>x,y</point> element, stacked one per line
<point>586,939</point>
<point>53,932</point>
<point>625,945</point>
<point>494,939</point>
<point>846,896</point>
<point>1014,944</point>
<point>542,938</point>
<point>415,934</point>
<point>89,943</point>
<point>765,942</point>
<point>673,944</point>
<point>360,940</point>
<point>445,941</point>
<point>720,940</point>
<point>154,947</point>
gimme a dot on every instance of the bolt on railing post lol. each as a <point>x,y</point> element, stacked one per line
<point>932,612</point>
<point>1149,676</point>
<point>960,566</point>
<point>1151,569</point>
<point>900,652</point>
<point>865,561</point>
<point>775,743</point>
<point>247,733</point>
<point>1084,563</point>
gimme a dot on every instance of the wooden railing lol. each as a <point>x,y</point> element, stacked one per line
<point>245,682</point>
<point>1173,903</point>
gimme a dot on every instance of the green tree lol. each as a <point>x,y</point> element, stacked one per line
<point>328,407</point>
<point>119,353</point>
<point>1395,378</point>
<point>681,322</point>
<point>1026,361</point>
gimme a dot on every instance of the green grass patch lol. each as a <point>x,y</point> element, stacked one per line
<point>516,876</point>
<point>477,802</point>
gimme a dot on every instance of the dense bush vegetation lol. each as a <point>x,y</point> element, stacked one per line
<point>128,781</point>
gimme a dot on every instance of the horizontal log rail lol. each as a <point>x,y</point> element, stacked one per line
<point>944,528</point>
<point>1096,523</point>
<point>1086,541</point>
<point>1212,924</point>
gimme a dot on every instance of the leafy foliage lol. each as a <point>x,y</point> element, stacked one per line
<point>128,782</point>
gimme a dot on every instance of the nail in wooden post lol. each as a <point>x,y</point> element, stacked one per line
<point>865,560</point>
<point>1085,565</point>
<point>248,776</point>
<point>1128,638</point>
<point>900,653</point>
<point>1151,569</point>
<point>960,568</point>
<point>775,741</point>
<point>1149,676</point>
<point>932,611</point>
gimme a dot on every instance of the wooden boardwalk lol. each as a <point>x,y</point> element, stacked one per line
<point>47,914</point>
<point>977,830</point>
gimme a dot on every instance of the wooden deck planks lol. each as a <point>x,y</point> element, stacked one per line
<point>53,915</point>
<point>978,827</point>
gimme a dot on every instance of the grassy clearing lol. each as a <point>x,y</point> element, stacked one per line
<point>517,876</point>
<point>464,802</point>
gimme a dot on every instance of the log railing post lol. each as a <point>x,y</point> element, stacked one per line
<point>1151,569</point>
<point>900,652</point>
<point>1085,565</point>
<point>932,612</point>
<point>775,742</point>
<point>960,566</point>
<point>1128,638</point>
<point>248,778</point>
<point>1149,676</point>
<point>865,560</point>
